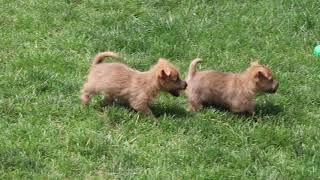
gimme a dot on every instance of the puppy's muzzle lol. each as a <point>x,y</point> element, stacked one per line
<point>183,85</point>
<point>275,87</point>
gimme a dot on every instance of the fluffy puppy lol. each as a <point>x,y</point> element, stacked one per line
<point>138,89</point>
<point>230,90</point>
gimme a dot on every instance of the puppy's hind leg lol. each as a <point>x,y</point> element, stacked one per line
<point>86,92</point>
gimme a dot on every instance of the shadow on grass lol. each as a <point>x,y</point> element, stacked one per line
<point>268,109</point>
<point>170,110</point>
<point>177,111</point>
<point>102,106</point>
<point>262,110</point>
<point>157,109</point>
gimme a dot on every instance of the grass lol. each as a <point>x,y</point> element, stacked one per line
<point>45,52</point>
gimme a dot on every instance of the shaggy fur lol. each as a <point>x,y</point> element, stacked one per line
<point>138,89</point>
<point>230,90</point>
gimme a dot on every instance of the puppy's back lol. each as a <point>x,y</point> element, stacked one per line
<point>110,76</point>
<point>209,78</point>
<point>210,86</point>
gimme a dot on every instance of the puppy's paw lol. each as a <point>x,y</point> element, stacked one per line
<point>193,109</point>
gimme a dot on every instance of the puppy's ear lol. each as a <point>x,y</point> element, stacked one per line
<point>255,63</point>
<point>165,73</point>
<point>263,73</point>
<point>162,60</point>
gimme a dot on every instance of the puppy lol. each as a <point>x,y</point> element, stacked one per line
<point>230,90</point>
<point>138,89</point>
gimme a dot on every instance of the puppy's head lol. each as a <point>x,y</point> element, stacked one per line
<point>169,77</point>
<point>262,76</point>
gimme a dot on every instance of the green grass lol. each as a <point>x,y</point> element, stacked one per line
<point>46,49</point>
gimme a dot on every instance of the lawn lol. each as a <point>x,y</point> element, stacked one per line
<point>46,48</point>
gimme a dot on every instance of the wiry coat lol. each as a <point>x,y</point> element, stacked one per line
<point>117,80</point>
<point>231,90</point>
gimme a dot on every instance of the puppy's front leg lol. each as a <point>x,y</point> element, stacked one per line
<point>142,107</point>
<point>109,99</point>
<point>146,110</point>
<point>251,107</point>
<point>245,106</point>
<point>194,105</point>
<point>194,108</point>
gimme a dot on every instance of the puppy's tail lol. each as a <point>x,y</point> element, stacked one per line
<point>193,67</point>
<point>99,57</point>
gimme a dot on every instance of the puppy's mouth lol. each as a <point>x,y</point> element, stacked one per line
<point>274,89</point>
<point>182,85</point>
<point>175,92</point>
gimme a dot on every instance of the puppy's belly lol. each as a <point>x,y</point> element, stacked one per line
<point>214,97</point>
<point>217,101</point>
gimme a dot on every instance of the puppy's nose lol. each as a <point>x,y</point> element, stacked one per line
<point>184,84</point>
<point>276,86</point>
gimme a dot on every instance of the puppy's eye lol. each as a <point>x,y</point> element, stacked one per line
<point>178,79</point>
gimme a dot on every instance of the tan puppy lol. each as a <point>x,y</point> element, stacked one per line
<point>231,90</point>
<point>138,89</point>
